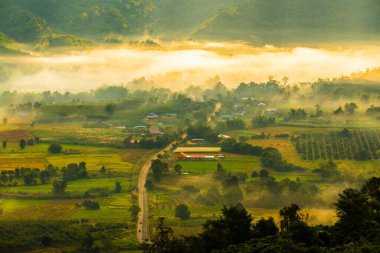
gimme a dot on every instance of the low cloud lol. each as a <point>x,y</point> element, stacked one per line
<point>179,65</point>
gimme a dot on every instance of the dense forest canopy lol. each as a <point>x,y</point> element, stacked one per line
<point>290,21</point>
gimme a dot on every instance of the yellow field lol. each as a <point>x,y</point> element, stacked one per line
<point>13,163</point>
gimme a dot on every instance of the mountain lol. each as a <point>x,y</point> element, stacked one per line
<point>294,21</point>
<point>46,21</point>
<point>76,23</point>
<point>175,19</point>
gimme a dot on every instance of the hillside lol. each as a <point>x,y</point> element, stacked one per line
<point>33,21</point>
<point>294,21</point>
<point>177,19</point>
<point>254,21</point>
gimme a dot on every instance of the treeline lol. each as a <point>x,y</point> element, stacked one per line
<point>34,176</point>
<point>22,236</point>
<point>356,230</point>
<point>244,148</point>
<point>30,176</point>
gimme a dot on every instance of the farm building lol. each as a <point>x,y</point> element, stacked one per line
<point>224,137</point>
<point>140,127</point>
<point>197,150</point>
<point>271,112</point>
<point>227,116</point>
<point>72,152</point>
<point>171,115</point>
<point>155,132</point>
<point>152,116</point>
<point>198,141</point>
<point>197,157</point>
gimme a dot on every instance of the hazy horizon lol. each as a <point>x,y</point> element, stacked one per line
<point>177,67</point>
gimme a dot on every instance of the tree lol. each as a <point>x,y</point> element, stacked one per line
<point>158,168</point>
<point>234,226</point>
<point>74,171</point>
<point>44,176</point>
<point>318,111</point>
<point>91,205</point>
<point>231,181</point>
<point>30,142</point>
<point>178,169</point>
<point>55,148</point>
<point>163,240</point>
<point>149,185</point>
<point>134,209</point>
<point>88,246</point>
<point>5,120</point>
<point>339,111</point>
<point>350,108</point>
<point>289,216</point>
<point>118,187</point>
<point>264,173</point>
<point>29,178</point>
<point>59,186</point>
<point>103,170</point>
<point>232,195</point>
<point>110,109</point>
<point>220,172</point>
<point>182,211</point>
<point>4,177</point>
<point>271,158</point>
<point>265,227</point>
<point>22,143</point>
<point>5,144</point>
<point>46,241</point>
<point>362,155</point>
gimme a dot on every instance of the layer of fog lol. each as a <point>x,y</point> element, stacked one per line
<point>178,67</point>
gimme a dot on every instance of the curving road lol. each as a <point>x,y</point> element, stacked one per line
<point>142,225</point>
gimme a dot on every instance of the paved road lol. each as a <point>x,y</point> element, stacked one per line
<point>142,225</point>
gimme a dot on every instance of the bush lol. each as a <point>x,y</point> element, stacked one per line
<point>182,211</point>
<point>55,148</point>
<point>91,205</point>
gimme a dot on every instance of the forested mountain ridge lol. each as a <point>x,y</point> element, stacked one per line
<point>255,21</point>
<point>294,21</point>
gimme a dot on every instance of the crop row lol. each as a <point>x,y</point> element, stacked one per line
<point>337,146</point>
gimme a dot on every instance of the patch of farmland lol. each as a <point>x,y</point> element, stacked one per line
<point>198,150</point>
<point>15,135</point>
<point>76,134</point>
<point>239,163</point>
<point>285,146</point>
<point>13,163</point>
<point>336,146</point>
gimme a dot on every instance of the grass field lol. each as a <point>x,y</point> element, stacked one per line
<point>231,163</point>
<point>113,209</point>
<point>286,148</point>
<point>115,160</point>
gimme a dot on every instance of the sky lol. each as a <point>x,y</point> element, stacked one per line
<point>177,66</point>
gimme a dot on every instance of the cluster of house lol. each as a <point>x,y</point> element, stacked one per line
<point>152,130</point>
<point>198,157</point>
<point>153,116</point>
